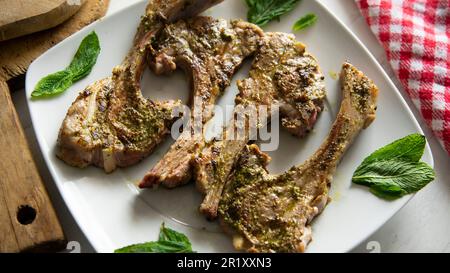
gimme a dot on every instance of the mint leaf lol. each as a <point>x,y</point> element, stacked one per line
<point>156,247</point>
<point>140,248</point>
<point>395,177</point>
<point>81,65</point>
<point>304,22</point>
<point>394,170</point>
<point>53,84</point>
<point>167,234</point>
<point>262,12</point>
<point>173,247</point>
<point>389,192</point>
<point>170,241</point>
<point>409,148</point>
<point>86,57</point>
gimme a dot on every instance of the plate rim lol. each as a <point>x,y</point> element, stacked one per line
<point>74,210</point>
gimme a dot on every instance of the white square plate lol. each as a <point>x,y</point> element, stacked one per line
<point>113,212</point>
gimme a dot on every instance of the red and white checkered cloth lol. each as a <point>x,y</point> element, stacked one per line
<point>416,37</point>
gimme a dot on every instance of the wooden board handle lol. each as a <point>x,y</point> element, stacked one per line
<point>28,221</point>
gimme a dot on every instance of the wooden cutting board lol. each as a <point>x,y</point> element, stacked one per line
<point>28,221</point>
<point>22,17</point>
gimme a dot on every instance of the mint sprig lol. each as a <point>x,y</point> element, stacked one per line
<point>169,241</point>
<point>304,22</point>
<point>81,65</point>
<point>395,170</point>
<point>261,12</point>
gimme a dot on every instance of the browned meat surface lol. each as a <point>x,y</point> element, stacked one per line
<point>111,124</point>
<point>282,74</point>
<point>268,213</point>
<point>210,50</point>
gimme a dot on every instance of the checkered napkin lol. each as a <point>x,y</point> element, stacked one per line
<point>416,37</point>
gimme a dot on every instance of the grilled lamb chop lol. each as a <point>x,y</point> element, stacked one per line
<point>111,124</point>
<point>268,213</point>
<point>211,50</point>
<point>283,74</point>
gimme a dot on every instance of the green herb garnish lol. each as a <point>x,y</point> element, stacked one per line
<point>394,170</point>
<point>170,241</point>
<point>81,65</point>
<point>263,11</point>
<point>304,22</point>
